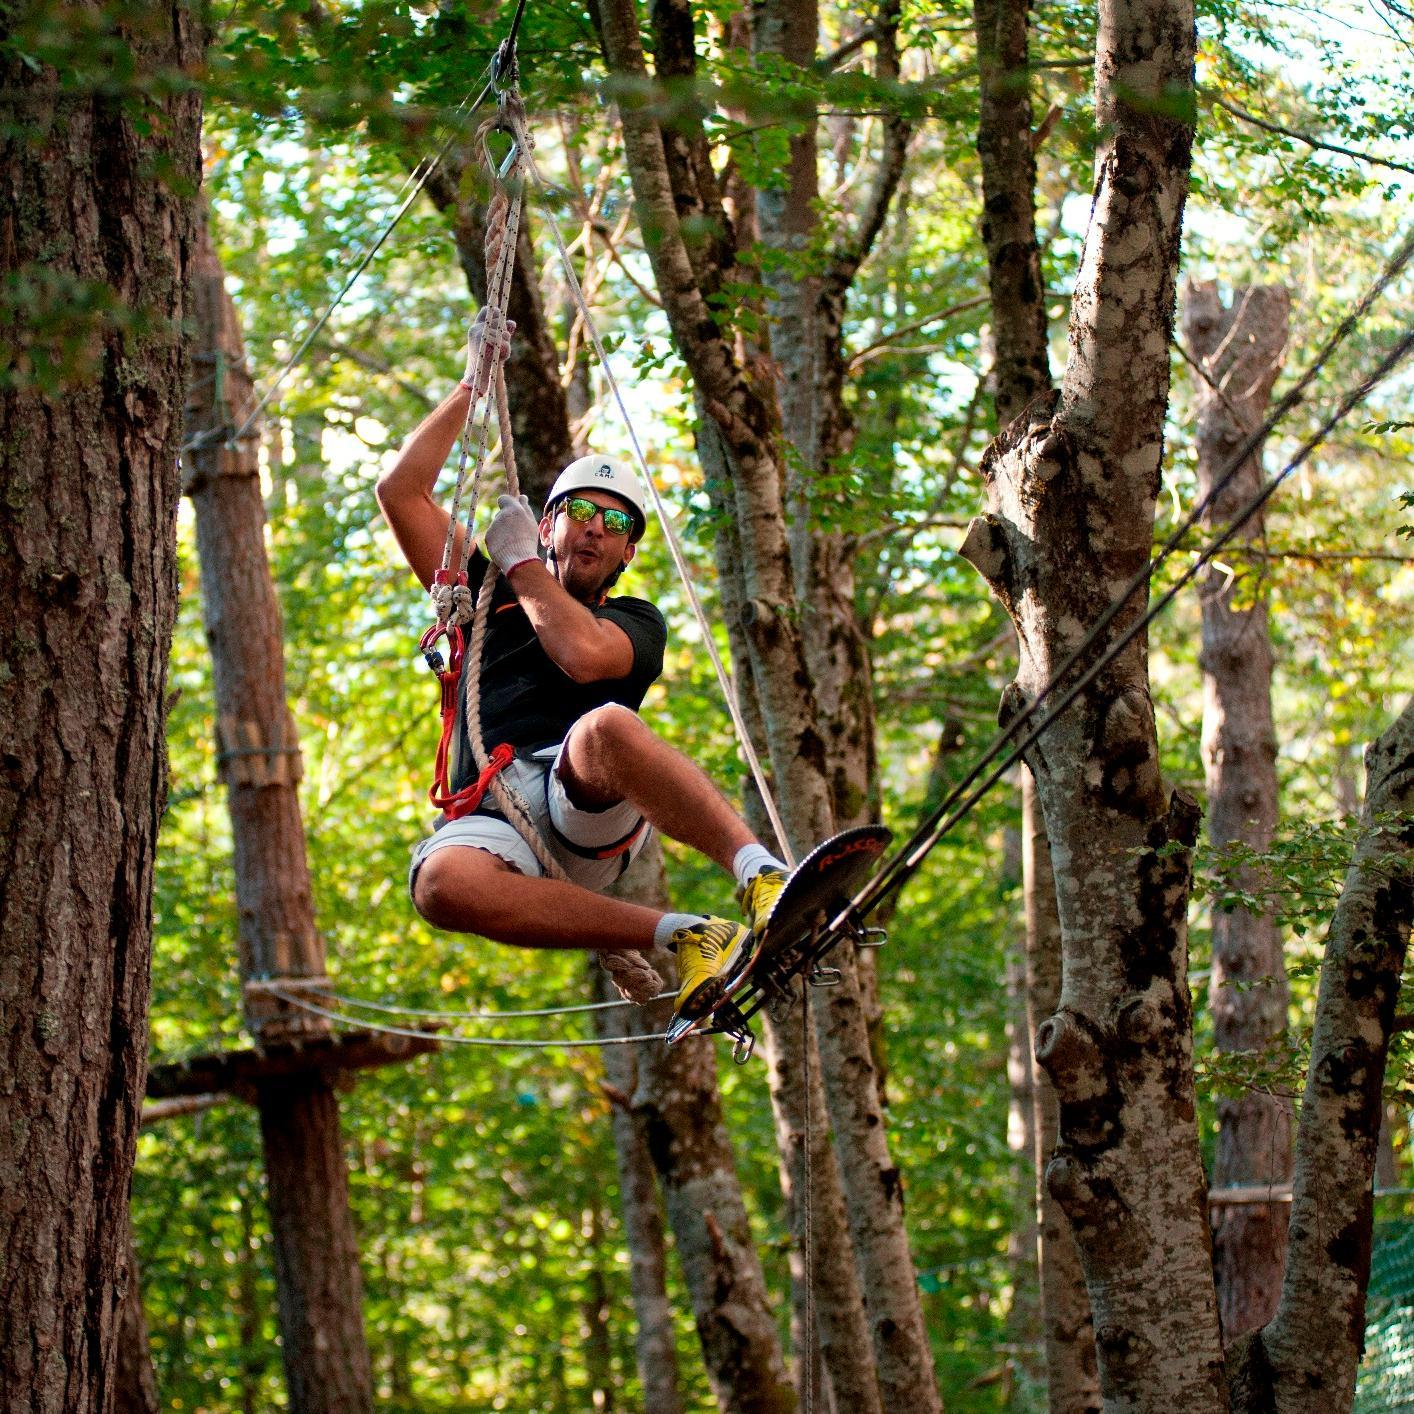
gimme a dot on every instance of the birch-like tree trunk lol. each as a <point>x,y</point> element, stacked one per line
<point>841,1329</point>
<point>1305,1359</point>
<point>1239,350</point>
<point>1023,1324</point>
<point>1022,371</point>
<point>670,1096</point>
<point>742,426</point>
<point>1071,490</point>
<point>809,295</point>
<point>316,1251</point>
<point>1072,1375</point>
<point>100,184</point>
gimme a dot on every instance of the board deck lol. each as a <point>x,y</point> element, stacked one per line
<point>818,890</point>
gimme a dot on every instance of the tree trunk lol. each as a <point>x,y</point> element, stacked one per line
<point>100,214</point>
<point>1022,368</point>
<point>655,1347</point>
<point>1305,1359</point>
<point>675,1105</point>
<point>1021,371</point>
<point>841,1328</point>
<point>135,1382</point>
<point>1023,1326</point>
<point>1071,490</point>
<point>742,415</point>
<point>669,174</point>
<point>1239,350</point>
<point>316,1253</point>
<point>1072,1376</point>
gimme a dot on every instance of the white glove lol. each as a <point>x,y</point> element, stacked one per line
<point>513,537</point>
<point>500,346</point>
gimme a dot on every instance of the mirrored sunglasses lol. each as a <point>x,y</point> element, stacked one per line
<point>616,522</point>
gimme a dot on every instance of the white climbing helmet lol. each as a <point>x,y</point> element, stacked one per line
<point>594,473</point>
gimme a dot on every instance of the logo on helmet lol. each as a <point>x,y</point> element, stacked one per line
<point>606,471</point>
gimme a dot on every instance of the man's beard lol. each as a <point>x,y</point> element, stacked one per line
<point>583,583</point>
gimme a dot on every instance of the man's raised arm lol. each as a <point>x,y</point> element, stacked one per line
<point>418,522</point>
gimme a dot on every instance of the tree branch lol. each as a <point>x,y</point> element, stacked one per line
<point>1313,142</point>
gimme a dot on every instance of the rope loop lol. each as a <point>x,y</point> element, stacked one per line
<point>452,603</point>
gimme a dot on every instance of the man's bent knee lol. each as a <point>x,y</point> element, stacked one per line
<point>451,886</point>
<point>607,728</point>
<point>587,767</point>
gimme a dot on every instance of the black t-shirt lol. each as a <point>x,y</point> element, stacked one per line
<point>526,698</point>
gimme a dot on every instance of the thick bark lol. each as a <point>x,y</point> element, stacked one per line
<point>1071,490</point>
<point>1306,1358</point>
<point>135,1382</point>
<point>676,1109</point>
<point>321,1316</point>
<point>316,1253</point>
<point>1239,348</point>
<point>99,213</point>
<point>1072,1375</point>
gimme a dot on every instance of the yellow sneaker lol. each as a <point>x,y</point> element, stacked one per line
<point>759,897</point>
<point>708,953</point>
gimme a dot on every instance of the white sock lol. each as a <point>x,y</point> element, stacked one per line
<point>669,923</point>
<point>751,859</point>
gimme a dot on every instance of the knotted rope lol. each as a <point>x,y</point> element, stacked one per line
<point>631,972</point>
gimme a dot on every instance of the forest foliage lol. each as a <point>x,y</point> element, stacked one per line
<point>490,1238</point>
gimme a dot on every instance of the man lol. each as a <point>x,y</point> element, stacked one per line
<point>563,673</point>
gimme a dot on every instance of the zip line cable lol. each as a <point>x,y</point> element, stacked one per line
<point>454,1039</point>
<point>417,179</point>
<point>878,885</point>
<point>909,858</point>
<point>282,987</point>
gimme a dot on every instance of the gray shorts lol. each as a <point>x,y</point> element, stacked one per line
<point>574,836</point>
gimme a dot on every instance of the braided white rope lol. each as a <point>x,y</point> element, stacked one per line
<point>502,219</point>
